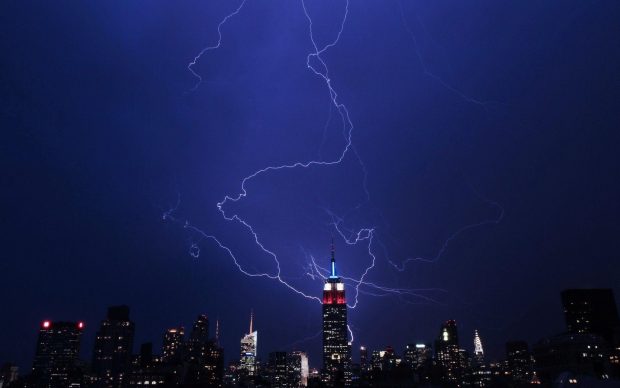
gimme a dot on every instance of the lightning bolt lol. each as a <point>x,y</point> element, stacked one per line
<point>490,221</point>
<point>292,345</point>
<point>323,72</point>
<point>214,47</point>
<point>367,236</point>
<point>432,75</point>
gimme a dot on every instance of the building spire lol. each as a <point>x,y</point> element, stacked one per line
<point>333,275</point>
<point>217,330</point>
<point>478,352</point>
<point>251,319</point>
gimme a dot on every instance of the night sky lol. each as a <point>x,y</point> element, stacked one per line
<point>457,105</point>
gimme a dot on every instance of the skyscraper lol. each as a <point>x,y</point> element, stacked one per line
<point>480,374</point>
<point>146,370</point>
<point>58,348</point>
<point>478,351</point>
<point>247,362</point>
<point>278,371</point>
<point>416,355</point>
<point>520,363</point>
<point>336,348</point>
<point>173,345</point>
<point>591,311</point>
<point>198,338</point>
<point>204,359</point>
<point>364,359</point>
<point>113,347</point>
<point>297,369</point>
<point>448,354</point>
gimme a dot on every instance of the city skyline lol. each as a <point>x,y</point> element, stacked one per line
<point>121,312</point>
<point>592,330</point>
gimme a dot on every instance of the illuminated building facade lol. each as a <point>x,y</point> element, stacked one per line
<point>278,369</point>
<point>146,370</point>
<point>298,369</point>
<point>113,347</point>
<point>519,359</point>
<point>385,360</point>
<point>204,359</point>
<point>416,355</point>
<point>173,345</point>
<point>247,362</point>
<point>478,351</point>
<point>56,358</point>
<point>198,338</point>
<point>336,348</point>
<point>364,359</point>
<point>448,355</point>
<point>581,354</point>
<point>591,311</point>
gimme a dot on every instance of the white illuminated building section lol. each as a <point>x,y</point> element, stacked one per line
<point>247,362</point>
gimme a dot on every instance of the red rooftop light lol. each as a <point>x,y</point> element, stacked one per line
<point>46,324</point>
<point>80,325</point>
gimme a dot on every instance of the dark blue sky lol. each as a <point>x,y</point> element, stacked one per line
<point>455,105</point>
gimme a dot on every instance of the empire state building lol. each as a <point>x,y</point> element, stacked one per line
<point>336,348</point>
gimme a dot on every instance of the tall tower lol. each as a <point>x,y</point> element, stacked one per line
<point>204,360</point>
<point>114,347</point>
<point>447,352</point>
<point>478,352</point>
<point>198,339</point>
<point>336,348</point>
<point>248,350</point>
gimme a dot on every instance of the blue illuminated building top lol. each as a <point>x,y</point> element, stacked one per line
<point>333,273</point>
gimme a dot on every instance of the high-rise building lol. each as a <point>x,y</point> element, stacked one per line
<point>278,369</point>
<point>480,373</point>
<point>204,357</point>
<point>146,370</point>
<point>578,353</point>
<point>591,311</point>
<point>247,362</point>
<point>409,356</point>
<point>298,369</point>
<point>198,337</point>
<point>173,345</point>
<point>376,360</point>
<point>364,359</point>
<point>57,355</point>
<point>336,348</point>
<point>447,352</point>
<point>387,359</point>
<point>416,355</point>
<point>520,363</point>
<point>213,365</point>
<point>113,347</point>
<point>478,351</point>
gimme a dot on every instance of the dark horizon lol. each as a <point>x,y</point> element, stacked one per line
<point>483,166</point>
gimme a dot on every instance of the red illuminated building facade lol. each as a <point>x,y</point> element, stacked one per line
<point>336,348</point>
